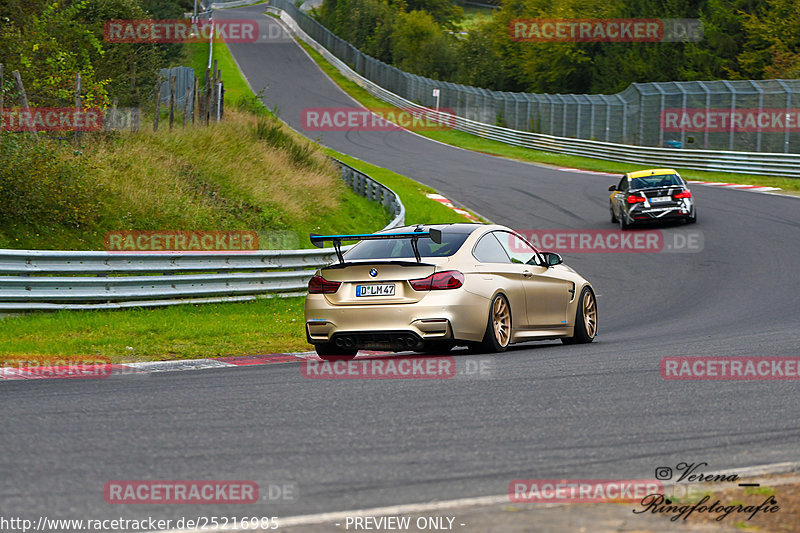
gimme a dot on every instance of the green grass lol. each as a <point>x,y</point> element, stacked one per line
<point>479,144</point>
<point>419,208</point>
<point>760,491</point>
<point>181,332</point>
<point>235,85</point>
<point>474,15</point>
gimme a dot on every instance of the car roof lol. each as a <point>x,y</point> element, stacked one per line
<point>650,172</point>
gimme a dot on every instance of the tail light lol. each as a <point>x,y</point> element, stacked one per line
<point>320,285</point>
<point>683,194</point>
<point>634,199</point>
<point>449,279</point>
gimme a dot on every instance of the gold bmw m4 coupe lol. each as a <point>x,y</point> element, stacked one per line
<point>429,288</point>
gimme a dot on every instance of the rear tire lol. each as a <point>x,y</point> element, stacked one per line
<point>585,319</point>
<point>330,352</point>
<point>623,222</point>
<point>497,336</point>
<point>692,218</point>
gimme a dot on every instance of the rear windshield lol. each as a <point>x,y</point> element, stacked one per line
<point>396,248</point>
<point>651,182</point>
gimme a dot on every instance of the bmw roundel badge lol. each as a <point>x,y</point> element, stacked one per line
<point>373,272</point>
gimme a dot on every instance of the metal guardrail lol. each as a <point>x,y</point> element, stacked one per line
<point>234,3</point>
<point>39,280</point>
<point>775,164</point>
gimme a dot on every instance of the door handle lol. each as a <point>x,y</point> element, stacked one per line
<point>527,273</point>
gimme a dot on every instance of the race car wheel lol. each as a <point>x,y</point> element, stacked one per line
<point>585,319</point>
<point>498,328</point>
<point>692,218</point>
<point>330,352</point>
<point>613,216</point>
<point>623,222</point>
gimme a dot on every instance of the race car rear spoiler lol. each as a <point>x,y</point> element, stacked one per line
<point>434,234</point>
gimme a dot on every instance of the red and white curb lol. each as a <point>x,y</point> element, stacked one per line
<point>444,201</point>
<point>737,186</point>
<point>751,188</point>
<point>99,371</point>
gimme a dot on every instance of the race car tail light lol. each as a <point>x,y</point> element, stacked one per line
<point>683,194</point>
<point>449,279</point>
<point>320,285</point>
<point>634,199</point>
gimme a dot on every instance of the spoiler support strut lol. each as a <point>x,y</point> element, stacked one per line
<point>434,234</point>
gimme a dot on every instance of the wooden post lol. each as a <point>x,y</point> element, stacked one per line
<point>23,96</point>
<point>171,101</point>
<point>207,103</point>
<point>77,137</point>
<point>195,100</point>
<point>158,104</point>
<point>112,116</point>
<point>186,102</point>
<point>135,111</point>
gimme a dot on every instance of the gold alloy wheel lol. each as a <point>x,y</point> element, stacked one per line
<point>501,318</point>
<point>589,314</point>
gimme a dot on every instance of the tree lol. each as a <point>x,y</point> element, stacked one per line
<point>421,47</point>
<point>772,48</point>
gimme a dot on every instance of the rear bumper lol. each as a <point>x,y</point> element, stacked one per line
<point>661,213</point>
<point>440,315</point>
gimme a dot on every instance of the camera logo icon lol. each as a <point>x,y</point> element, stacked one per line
<point>663,473</point>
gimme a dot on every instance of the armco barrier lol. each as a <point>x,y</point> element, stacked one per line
<point>39,280</point>
<point>774,164</point>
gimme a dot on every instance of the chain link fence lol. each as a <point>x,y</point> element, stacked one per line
<point>749,116</point>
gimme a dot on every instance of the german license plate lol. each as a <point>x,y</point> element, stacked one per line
<point>375,290</point>
<point>660,199</point>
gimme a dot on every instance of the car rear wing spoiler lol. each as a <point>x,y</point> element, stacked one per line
<point>434,234</point>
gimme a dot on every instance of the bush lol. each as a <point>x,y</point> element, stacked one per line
<point>41,184</point>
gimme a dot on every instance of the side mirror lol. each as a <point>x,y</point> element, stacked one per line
<point>553,259</point>
<point>612,188</point>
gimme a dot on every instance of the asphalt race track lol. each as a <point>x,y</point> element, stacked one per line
<point>543,410</point>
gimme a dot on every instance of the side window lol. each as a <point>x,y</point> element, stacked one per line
<point>623,184</point>
<point>489,250</point>
<point>517,248</point>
